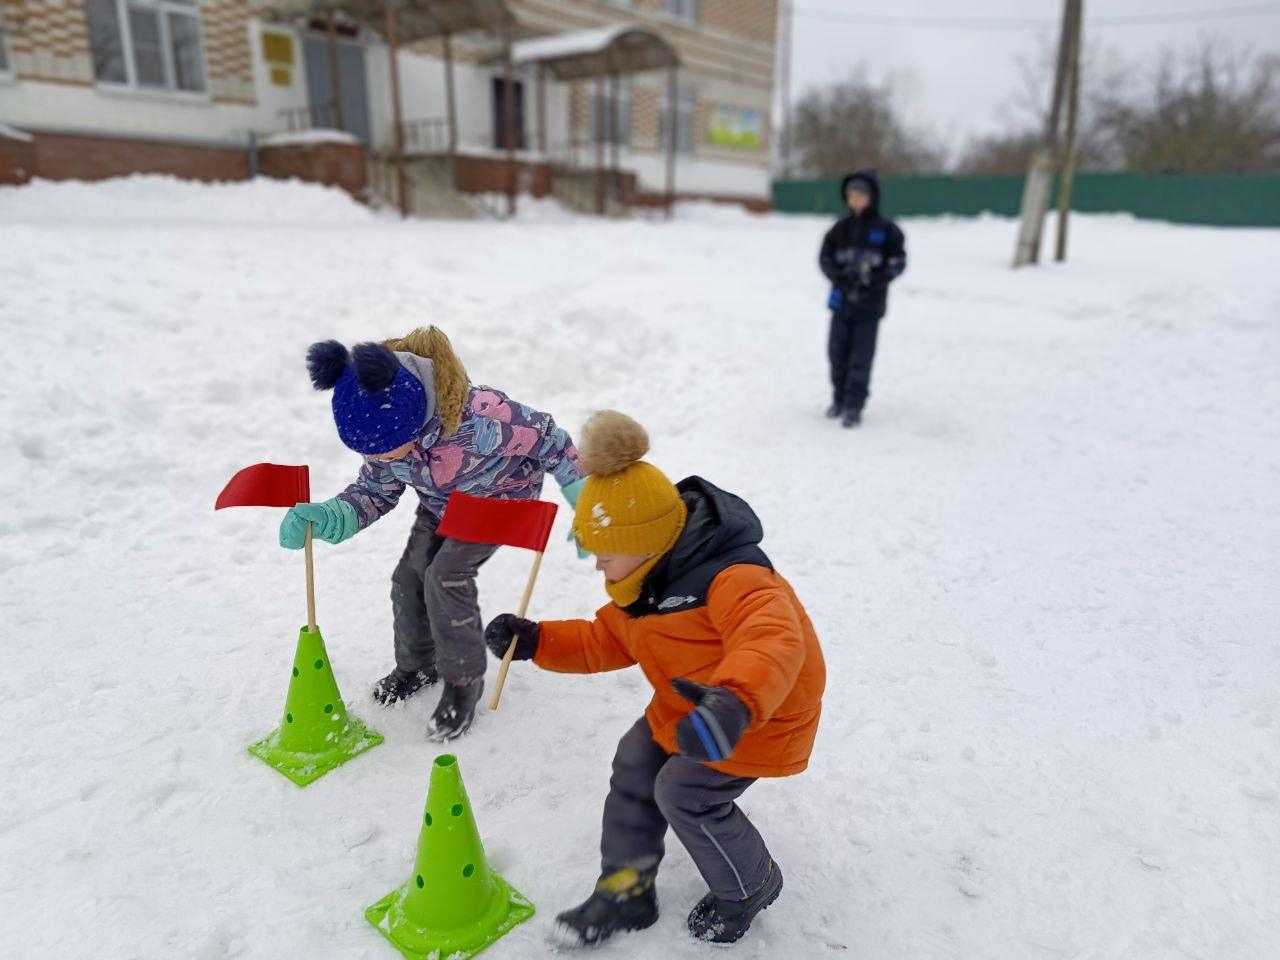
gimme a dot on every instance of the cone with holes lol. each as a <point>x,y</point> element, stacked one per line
<point>452,905</point>
<point>316,734</point>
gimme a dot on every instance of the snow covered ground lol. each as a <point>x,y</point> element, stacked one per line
<point>1044,571</point>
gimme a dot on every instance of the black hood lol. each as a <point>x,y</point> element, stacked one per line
<point>721,530</point>
<point>873,181</point>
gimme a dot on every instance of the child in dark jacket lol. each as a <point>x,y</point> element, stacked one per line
<point>409,409</point>
<point>736,670</point>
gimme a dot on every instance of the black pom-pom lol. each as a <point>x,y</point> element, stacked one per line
<point>325,362</point>
<point>376,366</point>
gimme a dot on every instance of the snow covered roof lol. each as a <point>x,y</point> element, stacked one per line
<point>621,48</point>
<point>306,138</point>
<point>415,19</point>
<point>13,133</point>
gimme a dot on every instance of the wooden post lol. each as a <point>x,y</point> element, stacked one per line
<point>1031,248</point>
<point>511,648</point>
<point>542,109</point>
<point>509,120</point>
<point>615,138</point>
<point>785,16</point>
<point>335,80</point>
<point>311,583</point>
<point>1069,145</point>
<point>598,113</point>
<point>672,136</point>
<point>450,104</point>
<point>397,111</point>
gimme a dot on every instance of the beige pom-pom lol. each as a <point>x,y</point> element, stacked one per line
<point>611,441</point>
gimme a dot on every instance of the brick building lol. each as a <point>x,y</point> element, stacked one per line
<point>108,87</point>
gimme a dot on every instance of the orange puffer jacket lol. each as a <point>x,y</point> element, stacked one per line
<point>744,629</point>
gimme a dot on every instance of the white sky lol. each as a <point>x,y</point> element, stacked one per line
<point>960,81</point>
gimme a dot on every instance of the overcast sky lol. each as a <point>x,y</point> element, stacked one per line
<point>959,79</point>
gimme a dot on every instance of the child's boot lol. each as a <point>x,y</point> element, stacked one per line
<point>456,710</point>
<point>402,684</point>
<point>725,921</point>
<point>623,900</point>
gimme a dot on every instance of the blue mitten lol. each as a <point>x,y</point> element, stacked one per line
<point>332,521</point>
<point>835,299</point>
<point>571,493</point>
<point>710,731</point>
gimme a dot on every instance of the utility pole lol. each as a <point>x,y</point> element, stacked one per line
<point>1065,181</point>
<point>786,15</point>
<point>1039,182</point>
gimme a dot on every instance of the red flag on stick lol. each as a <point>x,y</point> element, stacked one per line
<point>275,485</point>
<point>266,485</point>
<point>513,523</point>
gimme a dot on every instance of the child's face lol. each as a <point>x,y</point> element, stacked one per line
<point>857,199</point>
<point>618,566</point>
<point>398,453</point>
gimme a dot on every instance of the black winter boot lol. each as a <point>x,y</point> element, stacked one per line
<point>835,410</point>
<point>725,921</point>
<point>456,710</point>
<point>401,685</point>
<point>852,417</point>
<point>623,900</point>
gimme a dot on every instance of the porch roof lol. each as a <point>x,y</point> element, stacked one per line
<point>581,54</point>
<point>415,19</point>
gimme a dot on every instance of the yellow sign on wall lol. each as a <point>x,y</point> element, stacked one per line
<point>739,127</point>
<point>278,52</point>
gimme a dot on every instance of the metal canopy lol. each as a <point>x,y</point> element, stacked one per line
<point>609,51</point>
<point>415,19</point>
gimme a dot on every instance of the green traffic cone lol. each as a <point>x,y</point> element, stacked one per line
<point>317,734</point>
<point>453,905</point>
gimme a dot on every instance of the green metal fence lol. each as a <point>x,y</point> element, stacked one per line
<point>1237,200</point>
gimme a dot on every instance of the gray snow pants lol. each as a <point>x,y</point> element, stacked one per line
<point>651,789</point>
<point>435,604</point>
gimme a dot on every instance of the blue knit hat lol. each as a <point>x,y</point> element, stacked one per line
<point>378,405</point>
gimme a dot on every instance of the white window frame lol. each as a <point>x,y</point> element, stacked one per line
<point>626,104</point>
<point>162,9</point>
<point>6,71</point>
<point>686,111</point>
<point>685,11</point>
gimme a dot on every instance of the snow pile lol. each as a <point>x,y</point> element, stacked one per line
<point>298,138</point>
<point>154,198</point>
<point>1044,572</point>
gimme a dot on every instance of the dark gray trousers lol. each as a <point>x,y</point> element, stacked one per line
<point>851,348</point>
<point>651,789</point>
<point>436,606</point>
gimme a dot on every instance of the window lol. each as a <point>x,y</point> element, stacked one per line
<point>149,44</point>
<point>623,134</point>
<point>686,111</point>
<point>4,48</point>
<point>683,9</point>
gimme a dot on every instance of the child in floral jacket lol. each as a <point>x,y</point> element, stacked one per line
<point>408,408</point>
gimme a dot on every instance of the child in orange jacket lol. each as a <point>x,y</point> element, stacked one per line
<point>736,670</point>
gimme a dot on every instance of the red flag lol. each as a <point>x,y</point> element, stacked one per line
<point>516,523</point>
<point>266,485</point>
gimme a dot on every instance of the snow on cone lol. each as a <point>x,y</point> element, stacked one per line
<point>452,905</point>
<point>316,734</point>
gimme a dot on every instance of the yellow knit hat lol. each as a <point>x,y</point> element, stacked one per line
<point>627,506</point>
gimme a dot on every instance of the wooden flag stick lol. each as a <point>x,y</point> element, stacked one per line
<point>311,584</point>
<point>511,649</point>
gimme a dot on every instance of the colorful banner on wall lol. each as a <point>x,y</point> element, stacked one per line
<point>739,127</point>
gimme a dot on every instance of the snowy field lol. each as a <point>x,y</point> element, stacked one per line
<point>1044,572</point>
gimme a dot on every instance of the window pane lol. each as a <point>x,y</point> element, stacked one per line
<point>105,42</point>
<point>148,56</point>
<point>188,61</point>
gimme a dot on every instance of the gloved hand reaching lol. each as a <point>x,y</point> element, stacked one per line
<point>710,731</point>
<point>332,521</point>
<point>503,628</point>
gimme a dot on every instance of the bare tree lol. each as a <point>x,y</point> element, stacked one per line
<point>1212,109</point>
<point>856,123</point>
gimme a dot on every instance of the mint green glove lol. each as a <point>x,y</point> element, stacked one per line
<point>571,492</point>
<point>332,521</point>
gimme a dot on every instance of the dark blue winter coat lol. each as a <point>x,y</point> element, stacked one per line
<point>863,252</point>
